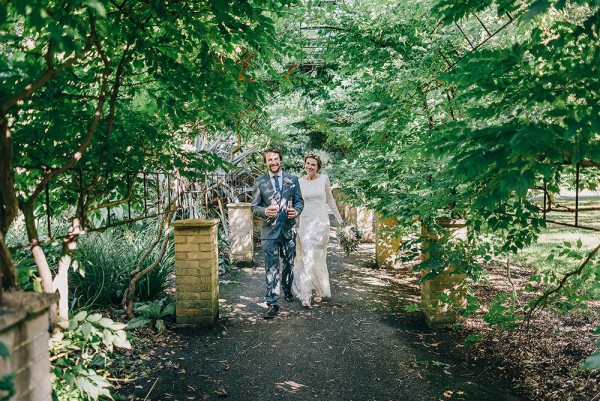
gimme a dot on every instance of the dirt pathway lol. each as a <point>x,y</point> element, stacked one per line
<point>359,345</point>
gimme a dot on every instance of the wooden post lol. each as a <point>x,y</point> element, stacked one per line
<point>240,232</point>
<point>196,272</point>
<point>449,284</point>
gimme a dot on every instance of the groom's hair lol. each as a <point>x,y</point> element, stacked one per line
<point>271,150</point>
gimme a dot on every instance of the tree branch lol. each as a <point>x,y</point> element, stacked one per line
<point>541,301</point>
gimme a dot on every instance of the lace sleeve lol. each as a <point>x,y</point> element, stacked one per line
<point>331,202</point>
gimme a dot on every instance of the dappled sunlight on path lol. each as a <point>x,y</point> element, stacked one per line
<point>360,344</point>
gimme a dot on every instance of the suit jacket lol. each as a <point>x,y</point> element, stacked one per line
<point>263,192</point>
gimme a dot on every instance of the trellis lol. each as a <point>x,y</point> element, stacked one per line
<point>124,197</point>
<point>120,197</point>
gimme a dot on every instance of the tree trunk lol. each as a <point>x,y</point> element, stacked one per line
<point>61,280</point>
<point>36,250</point>
<point>9,206</point>
<point>138,273</point>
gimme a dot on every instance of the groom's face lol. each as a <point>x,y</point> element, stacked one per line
<point>273,162</point>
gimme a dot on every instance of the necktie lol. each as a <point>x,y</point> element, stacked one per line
<point>276,178</point>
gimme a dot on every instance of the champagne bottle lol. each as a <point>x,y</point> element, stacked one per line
<point>272,220</point>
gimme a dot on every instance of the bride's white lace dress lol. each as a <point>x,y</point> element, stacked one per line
<point>310,265</point>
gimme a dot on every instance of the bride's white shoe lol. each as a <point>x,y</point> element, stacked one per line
<point>306,304</point>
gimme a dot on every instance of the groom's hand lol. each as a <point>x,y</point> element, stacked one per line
<point>271,211</point>
<point>291,213</point>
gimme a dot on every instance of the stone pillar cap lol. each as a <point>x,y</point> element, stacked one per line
<point>239,204</point>
<point>448,222</point>
<point>195,223</point>
<point>17,305</point>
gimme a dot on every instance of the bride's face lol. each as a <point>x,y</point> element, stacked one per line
<point>311,166</point>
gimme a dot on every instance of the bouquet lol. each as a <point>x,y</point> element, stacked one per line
<point>350,237</point>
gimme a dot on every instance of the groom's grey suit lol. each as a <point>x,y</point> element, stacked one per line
<point>278,234</point>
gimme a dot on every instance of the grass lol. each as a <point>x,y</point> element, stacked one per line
<point>554,236</point>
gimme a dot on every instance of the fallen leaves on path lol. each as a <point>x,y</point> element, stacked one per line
<point>289,386</point>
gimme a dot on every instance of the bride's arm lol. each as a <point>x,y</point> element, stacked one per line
<point>331,202</point>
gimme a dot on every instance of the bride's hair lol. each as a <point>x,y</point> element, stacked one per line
<point>316,157</point>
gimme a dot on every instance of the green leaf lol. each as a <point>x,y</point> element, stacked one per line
<point>138,322</point>
<point>106,322</point>
<point>80,316</point>
<point>96,6</point>
<point>592,362</point>
<point>86,329</point>
<point>121,340</point>
<point>94,317</point>
<point>4,351</point>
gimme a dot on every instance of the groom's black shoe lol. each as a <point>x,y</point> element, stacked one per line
<point>272,311</point>
<point>289,297</point>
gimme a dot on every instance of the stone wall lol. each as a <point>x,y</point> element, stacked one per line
<point>196,272</point>
<point>24,323</point>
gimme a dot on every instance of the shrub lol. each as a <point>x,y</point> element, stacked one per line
<point>105,261</point>
<point>81,356</point>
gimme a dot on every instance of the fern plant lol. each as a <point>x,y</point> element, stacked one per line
<point>152,313</point>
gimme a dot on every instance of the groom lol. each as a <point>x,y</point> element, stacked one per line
<point>278,201</point>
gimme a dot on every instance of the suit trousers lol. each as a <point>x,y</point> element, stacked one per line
<point>277,279</point>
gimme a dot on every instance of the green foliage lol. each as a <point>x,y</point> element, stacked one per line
<point>92,88</point>
<point>7,384</point>
<point>500,314</point>
<point>472,305</point>
<point>593,361</point>
<point>82,354</point>
<point>105,261</point>
<point>413,307</point>
<point>473,339</point>
<point>152,313</point>
<point>580,289</point>
<point>417,140</point>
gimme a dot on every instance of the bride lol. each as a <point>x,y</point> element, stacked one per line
<point>310,266</point>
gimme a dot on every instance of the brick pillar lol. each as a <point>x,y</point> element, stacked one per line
<point>449,284</point>
<point>364,222</point>
<point>24,323</point>
<point>342,206</point>
<point>240,231</point>
<point>386,244</point>
<point>196,272</point>
<point>350,213</point>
